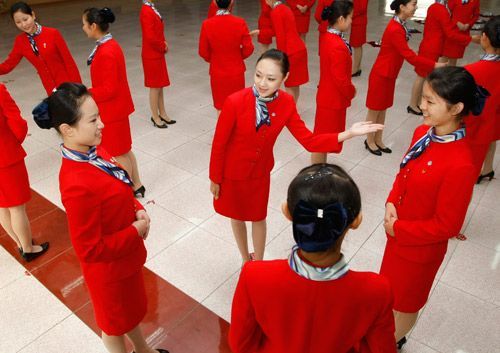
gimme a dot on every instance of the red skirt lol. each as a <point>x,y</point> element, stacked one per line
<point>433,56</point>
<point>116,137</point>
<point>299,74</point>
<point>453,49</point>
<point>302,22</point>
<point>14,185</point>
<point>244,200</point>
<point>155,73</point>
<point>380,94</point>
<point>411,282</point>
<point>119,306</point>
<point>358,36</point>
<point>223,86</point>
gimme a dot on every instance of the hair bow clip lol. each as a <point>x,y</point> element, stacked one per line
<point>41,115</point>
<point>480,95</point>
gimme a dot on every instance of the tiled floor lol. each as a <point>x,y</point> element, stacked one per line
<point>192,258</point>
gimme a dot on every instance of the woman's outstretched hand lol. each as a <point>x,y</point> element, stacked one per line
<point>359,129</point>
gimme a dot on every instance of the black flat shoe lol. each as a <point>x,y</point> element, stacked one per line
<point>139,193</point>
<point>488,176</point>
<point>169,122</point>
<point>357,73</point>
<point>162,126</point>
<point>30,256</point>
<point>376,152</point>
<point>385,149</point>
<point>410,110</point>
<point>401,343</point>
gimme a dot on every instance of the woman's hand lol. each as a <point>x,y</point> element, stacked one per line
<point>143,215</point>
<point>215,189</point>
<point>166,47</point>
<point>359,129</point>
<point>476,38</point>
<point>391,216</point>
<point>142,228</point>
<point>255,32</point>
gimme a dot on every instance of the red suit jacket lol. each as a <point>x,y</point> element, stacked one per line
<point>335,88</point>
<point>225,43</point>
<point>301,19</point>
<point>431,194</point>
<point>54,63</point>
<point>13,130</point>
<point>109,83</point>
<point>395,50</point>
<point>239,152</point>
<point>360,13</point>
<point>465,13</point>
<point>153,37</point>
<point>275,310</point>
<point>264,23</point>
<point>212,10</point>
<point>100,211</point>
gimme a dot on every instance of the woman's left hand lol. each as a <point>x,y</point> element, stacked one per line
<point>389,226</point>
<point>143,215</point>
<point>364,127</point>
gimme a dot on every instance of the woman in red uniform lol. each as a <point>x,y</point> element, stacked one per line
<point>242,151</point>
<point>225,43</point>
<point>15,189</point>
<point>322,24</point>
<point>436,172</point>
<point>111,92</point>
<point>483,130</point>
<point>438,27</point>
<point>358,34</point>
<point>464,13</point>
<point>106,224</point>
<point>385,70</point>
<point>264,32</point>
<point>302,11</point>
<point>154,48</point>
<point>335,89</point>
<point>317,303</point>
<point>43,47</point>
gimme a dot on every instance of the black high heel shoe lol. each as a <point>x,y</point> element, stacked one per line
<point>30,256</point>
<point>410,110</point>
<point>385,149</point>
<point>169,122</point>
<point>488,176</point>
<point>155,124</point>
<point>139,193</point>
<point>401,343</point>
<point>376,152</point>
<point>357,73</point>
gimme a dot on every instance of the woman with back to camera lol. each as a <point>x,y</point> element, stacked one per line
<point>43,47</point>
<point>111,91</point>
<point>302,13</point>
<point>435,173</point>
<point>242,150</point>
<point>107,224</point>
<point>358,34</point>
<point>382,81</point>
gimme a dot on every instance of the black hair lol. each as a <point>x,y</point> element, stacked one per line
<point>320,186</point>
<point>456,85</point>
<point>280,57</point>
<point>21,6</point>
<point>395,5</point>
<point>101,17</point>
<point>223,4</point>
<point>338,8</point>
<point>62,106</point>
<point>492,31</point>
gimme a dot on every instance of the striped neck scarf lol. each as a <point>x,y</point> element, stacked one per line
<point>319,274</point>
<point>31,38</point>
<point>222,12</point>
<point>261,112</point>
<point>98,43</point>
<point>152,5</point>
<point>99,162</point>
<point>341,35</point>
<point>465,2</point>
<point>419,147</point>
<point>403,23</point>
<point>490,57</point>
<point>277,3</point>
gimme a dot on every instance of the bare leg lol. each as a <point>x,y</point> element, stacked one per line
<point>318,158</point>
<point>357,55</point>
<point>21,227</point>
<point>161,104</point>
<point>240,234</point>
<point>264,47</point>
<point>7,225</point>
<point>416,93</point>
<point>488,161</point>
<point>452,62</point>
<point>404,323</point>
<point>259,238</point>
<point>443,59</point>
<point>129,163</point>
<point>140,345</point>
<point>379,134</point>
<point>372,116</point>
<point>303,36</point>
<point>153,104</point>
<point>114,344</point>
<point>294,91</point>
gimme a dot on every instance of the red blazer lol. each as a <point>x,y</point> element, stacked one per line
<point>275,310</point>
<point>264,23</point>
<point>335,88</point>
<point>322,25</point>
<point>465,13</point>
<point>395,50</point>
<point>481,129</point>
<point>438,27</point>
<point>431,194</point>
<point>13,130</point>
<point>239,153</point>
<point>109,83</point>
<point>360,13</point>
<point>301,19</point>
<point>54,63</point>
<point>212,10</point>
<point>285,30</point>
<point>225,43</point>
<point>101,210</point>
<point>153,37</point>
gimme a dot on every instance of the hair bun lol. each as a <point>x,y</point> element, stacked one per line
<point>480,97</point>
<point>394,5</point>
<point>327,13</point>
<point>107,15</point>
<point>41,115</point>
